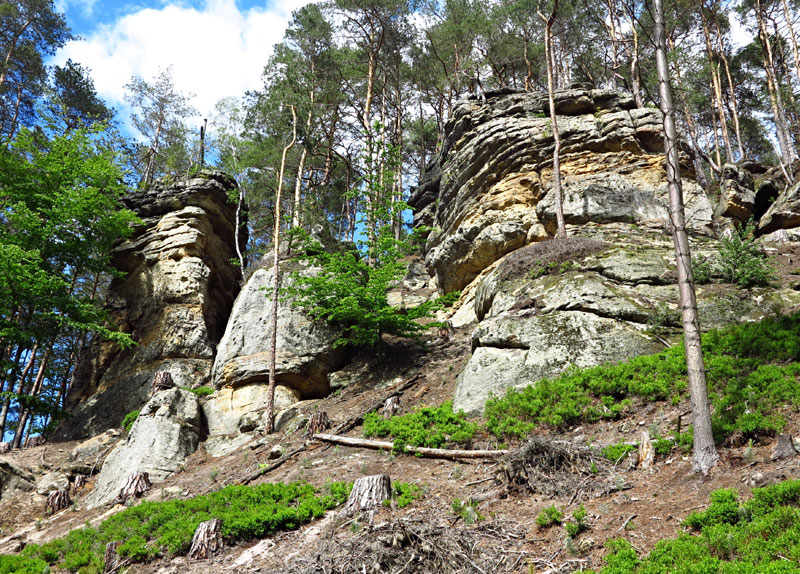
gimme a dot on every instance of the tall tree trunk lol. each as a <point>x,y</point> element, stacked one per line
<point>732,91</point>
<point>35,389</point>
<point>716,85</point>
<point>20,387</point>
<point>792,35</point>
<point>276,235</point>
<point>705,453</point>
<point>561,230</point>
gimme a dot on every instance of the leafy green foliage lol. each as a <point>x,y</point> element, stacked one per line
<point>758,536</point>
<point>405,493</point>
<point>154,529</point>
<point>549,516</point>
<point>467,510</point>
<point>129,419</point>
<point>578,523</point>
<point>752,370</point>
<point>201,391</point>
<point>428,426</point>
<point>615,452</point>
<point>739,260</point>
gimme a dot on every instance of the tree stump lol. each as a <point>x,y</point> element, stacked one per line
<point>785,447</point>
<point>33,441</point>
<point>137,484</point>
<point>111,557</point>
<point>78,483</point>
<point>368,492</point>
<point>162,381</point>
<point>319,422</point>
<point>5,447</point>
<point>207,539</point>
<point>57,500</point>
<point>391,407</point>
<point>647,453</point>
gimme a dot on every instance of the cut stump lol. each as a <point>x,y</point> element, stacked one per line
<point>647,453</point>
<point>785,447</point>
<point>5,447</point>
<point>368,492</point>
<point>137,484</point>
<point>319,422</point>
<point>162,381</point>
<point>111,557</point>
<point>78,483</point>
<point>391,407</point>
<point>57,500</point>
<point>207,539</point>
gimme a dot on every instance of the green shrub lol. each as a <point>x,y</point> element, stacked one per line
<point>759,536</point>
<point>201,391</point>
<point>467,510</point>
<point>549,516</point>
<point>22,565</point>
<point>405,493</point>
<point>662,446</point>
<point>752,370</point>
<point>578,524</point>
<point>428,426</point>
<point>154,529</point>
<point>739,261</point>
<point>615,452</point>
<point>129,419</point>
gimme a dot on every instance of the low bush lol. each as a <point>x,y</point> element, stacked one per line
<point>129,419</point>
<point>739,260</point>
<point>549,516</point>
<point>432,427</point>
<point>761,535</point>
<point>752,370</point>
<point>615,452</point>
<point>404,493</point>
<point>154,529</point>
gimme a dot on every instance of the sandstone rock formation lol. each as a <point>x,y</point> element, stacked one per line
<point>606,294</point>
<point>305,354</point>
<point>488,192</point>
<point>174,299</point>
<point>166,432</point>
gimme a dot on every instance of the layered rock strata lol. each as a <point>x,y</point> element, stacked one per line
<point>174,299</point>
<point>489,190</point>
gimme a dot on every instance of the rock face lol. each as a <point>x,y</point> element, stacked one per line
<point>608,292</point>
<point>14,479</point>
<point>174,300</point>
<point>488,192</point>
<point>305,353</point>
<point>166,432</point>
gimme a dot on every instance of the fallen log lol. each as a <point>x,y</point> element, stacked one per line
<point>418,450</point>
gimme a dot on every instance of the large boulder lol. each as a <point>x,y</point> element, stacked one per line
<point>14,479</point>
<point>174,298</point>
<point>166,432</point>
<point>305,351</point>
<point>489,191</point>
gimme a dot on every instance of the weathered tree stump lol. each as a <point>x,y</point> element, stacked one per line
<point>647,453</point>
<point>78,482</point>
<point>785,447</point>
<point>162,381</point>
<point>33,441</point>
<point>391,407</point>
<point>111,557</point>
<point>319,422</point>
<point>137,484</point>
<point>207,539</point>
<point>57,500</point>
<point>368,492</point>
<point>5,447</point>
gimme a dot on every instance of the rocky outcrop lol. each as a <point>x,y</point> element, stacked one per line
<point>174,299</point>
<point>14,479</point>
<point>488,192</point>
<point>583,302</point>
<point>166,432</point>
<point>305,352</point>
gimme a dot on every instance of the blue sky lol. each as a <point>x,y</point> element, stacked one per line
<point>217,48</point>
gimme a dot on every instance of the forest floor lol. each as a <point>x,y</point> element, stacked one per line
<point>622,501</point>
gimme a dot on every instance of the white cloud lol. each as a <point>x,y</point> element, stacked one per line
<point>216,51</point>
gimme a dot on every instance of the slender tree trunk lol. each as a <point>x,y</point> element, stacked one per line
<point>12,47</point>
<point>20,387</point>
<point>793,36</point>
<point>716,85</point>
<point>35,389</point>
<point>705,454</point>
<point>635,80</point>
<point>734,105</point>
<point>276,235</point>
<point>561,231</point>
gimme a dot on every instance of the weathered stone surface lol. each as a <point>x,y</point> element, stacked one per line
<point>166,432</point>
<point>305,352</point>
<point>489,190</point>
<point>784,213</point>
<point>51,482</point>
<point>225,409</point>
<point>14,479</point>
<point>737,196</point>
<point>415,288</point>
<point>90,454</point>
<point>174,300</point>
<point>516,350</point>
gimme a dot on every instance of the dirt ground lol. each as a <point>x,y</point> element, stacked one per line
<point>643,506</point>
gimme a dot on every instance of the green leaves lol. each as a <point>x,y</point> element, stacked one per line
<point>428,426</point>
